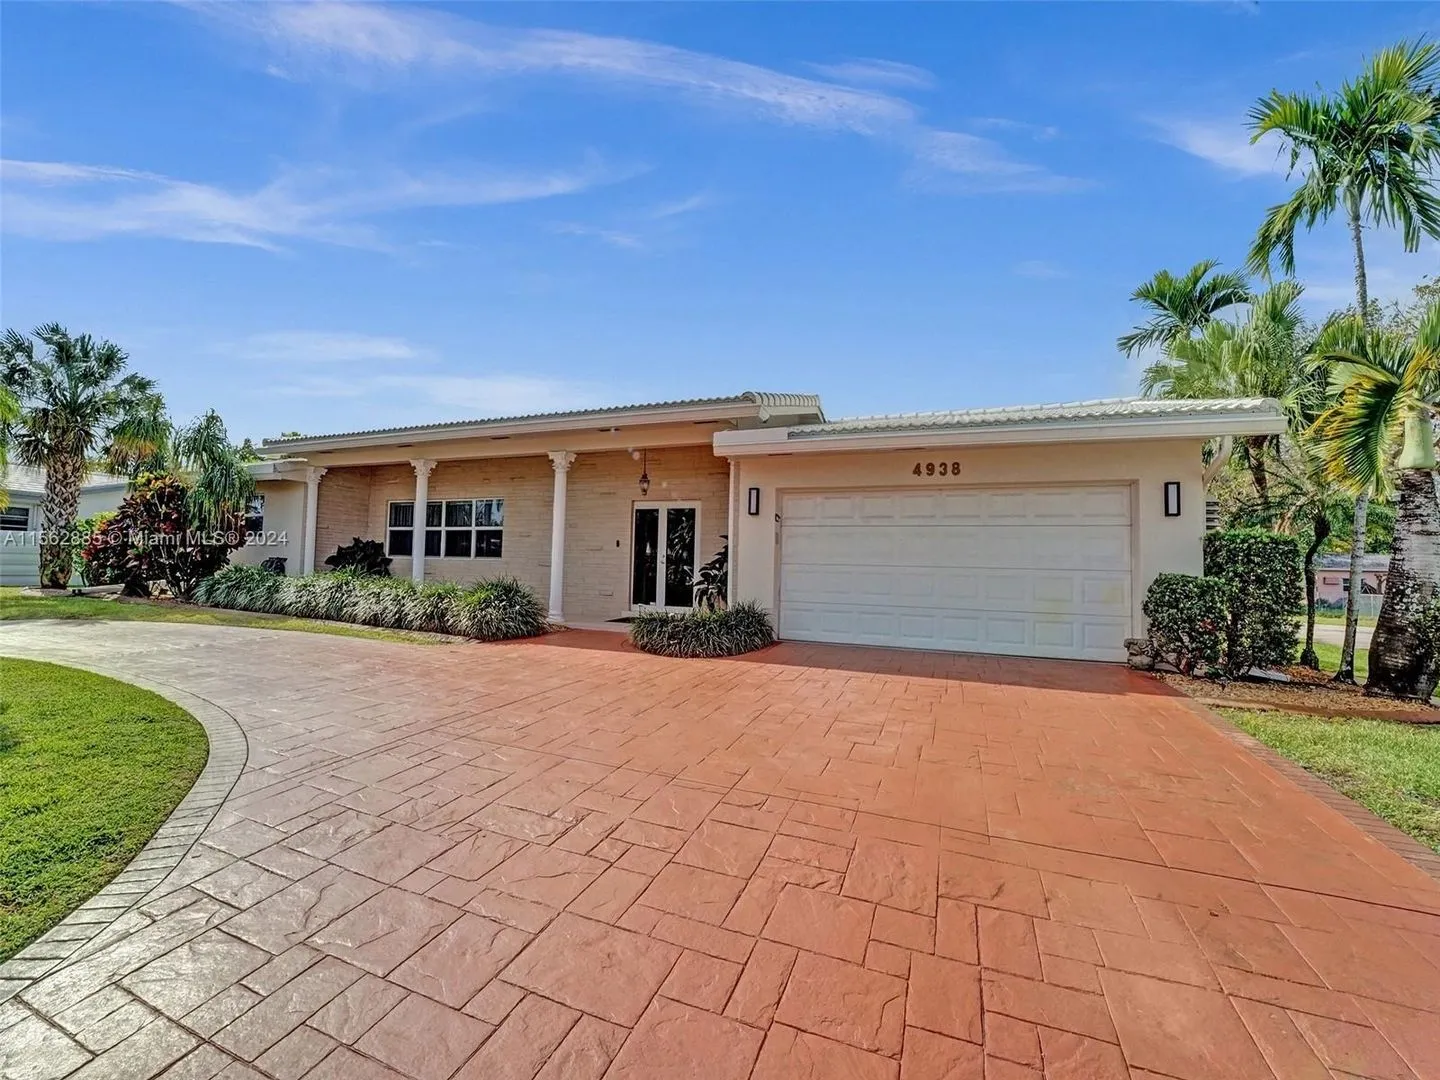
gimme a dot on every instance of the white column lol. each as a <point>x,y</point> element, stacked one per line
<point>422,469</point>
<point>560,461</point>
<point>732,527</point>
<point>312,508</point>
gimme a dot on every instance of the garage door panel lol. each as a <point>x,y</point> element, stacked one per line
<point>1031,571</point>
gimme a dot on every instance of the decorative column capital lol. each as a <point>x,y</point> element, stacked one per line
<point>422,466</point>
<point>314,476</point>
<point>561,460</point>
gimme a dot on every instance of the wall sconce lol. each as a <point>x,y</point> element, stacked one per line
<point>644,474</point>
<point>752,502</point>
<point>1172,498</point>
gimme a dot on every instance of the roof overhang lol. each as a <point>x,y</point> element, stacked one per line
<point>279,469</point>
<point>812,439</point>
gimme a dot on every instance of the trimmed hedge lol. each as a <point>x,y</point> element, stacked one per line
<point>1263,572</point>
<point>493,610</point>
<point>1188,618</point>
<point>730,631</point>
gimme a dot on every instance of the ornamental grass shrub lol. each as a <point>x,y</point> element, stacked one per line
<point>730,631</point>
<point>493,610</point>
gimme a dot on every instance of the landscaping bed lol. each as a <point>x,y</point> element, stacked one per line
<point>89,768</point>
<point>1309,692</point>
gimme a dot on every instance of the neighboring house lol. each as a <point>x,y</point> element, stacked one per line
<point>1332,577</point>
<point>1029,531</point>
<point>20,521</point>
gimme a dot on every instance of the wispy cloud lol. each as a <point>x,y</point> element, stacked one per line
<point>1040,269</point>
<point>374,47</point>
<point>291,347</point>
<point>1225,144</point>
<point>1041,132</point>
<point>613,237</point>
<point>68,201</point>
<point>680,207</point>
<point>869,72</point>
<point>454,396</point>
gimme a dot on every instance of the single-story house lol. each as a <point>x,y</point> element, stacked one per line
<point>1029,531</point>
<point>20,520</point>
<point>1332,577</point>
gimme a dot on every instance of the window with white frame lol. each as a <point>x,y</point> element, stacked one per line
<point>454,529</point>
<point>15,519</point>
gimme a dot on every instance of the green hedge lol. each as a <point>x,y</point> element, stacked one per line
<point>731,631</point>
<point>1263,574</point>
<point>1188,617</point>
<point>491,610</point>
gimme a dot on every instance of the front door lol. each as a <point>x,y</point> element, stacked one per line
<point>663,550</point>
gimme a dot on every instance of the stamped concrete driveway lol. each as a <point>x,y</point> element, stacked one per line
<point>568,860</point>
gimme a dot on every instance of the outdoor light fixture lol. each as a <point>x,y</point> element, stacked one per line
<point>752,503</point>
<point>1172,498</point>
<point>644,474</point>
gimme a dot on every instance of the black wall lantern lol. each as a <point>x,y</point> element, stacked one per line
<point>1172,498</point>
<point>644,473</point>
<point>752,502</point>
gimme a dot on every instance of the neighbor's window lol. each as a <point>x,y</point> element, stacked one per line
<point>255,514</point>
<point>454,528</point>
<point>15,519</point>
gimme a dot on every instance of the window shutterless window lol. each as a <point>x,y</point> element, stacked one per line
<point>255,514</point>
<point>454,528</point>
<point>15,519</point>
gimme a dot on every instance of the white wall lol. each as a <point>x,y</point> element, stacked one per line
<point>1158,543</point>
<point>284,517</point>
<point>20,551</point>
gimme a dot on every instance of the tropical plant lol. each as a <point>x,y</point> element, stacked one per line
<point>1187,617</point>
<point>362,557</point>
<point>9,413</point>
<point>712,580</point>
<point>76,402</point>
<point>741,628</point>
<point>1261,355</point>
<point>1181,306</point>
<point>1378,435</point>
<point>1261,572</point>
<point>1369,149</point>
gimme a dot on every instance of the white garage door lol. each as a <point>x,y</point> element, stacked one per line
<point>1027,571</point>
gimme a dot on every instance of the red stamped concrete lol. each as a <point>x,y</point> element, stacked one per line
<point>569,860</point>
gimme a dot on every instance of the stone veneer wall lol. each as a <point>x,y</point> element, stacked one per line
<point>603,489</point>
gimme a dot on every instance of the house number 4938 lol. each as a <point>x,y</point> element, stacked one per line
<point>936,468</point>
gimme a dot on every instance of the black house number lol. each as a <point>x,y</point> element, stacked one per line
<point>936,468</point>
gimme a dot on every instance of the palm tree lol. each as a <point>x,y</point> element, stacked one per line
<point>1387,387</point>
<point>76,403</point>
<point>9,413</point>
<point>214,469</point>
<point>1179,306</point>
<point>1262,355</point>
<point>1368,149</point>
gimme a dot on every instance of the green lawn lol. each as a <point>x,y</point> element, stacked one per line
<point>15,606</point>
<point>1391,768</point>
<point>1338,618</point>
<point>89,769</point>
<point>1330,659</point>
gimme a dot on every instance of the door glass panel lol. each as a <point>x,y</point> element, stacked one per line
<point>680,556</point>
<point>646,555</point>
<point>432,514</point>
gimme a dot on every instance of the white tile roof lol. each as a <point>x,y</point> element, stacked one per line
<point>23,480</point>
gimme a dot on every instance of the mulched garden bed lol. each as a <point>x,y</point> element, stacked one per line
<point>1310,692</point>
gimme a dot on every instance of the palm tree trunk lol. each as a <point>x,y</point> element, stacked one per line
<point>1321,532</point>
<point>63,476</point>
<point>1255,458</point>
<point>1399,665</point>
<point>1346,672</point>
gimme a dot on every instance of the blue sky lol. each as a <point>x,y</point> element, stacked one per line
<point>328,217</point>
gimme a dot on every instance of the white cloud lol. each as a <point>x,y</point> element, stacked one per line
<point>288,347</point>
<point>1039,132</point>
<point>877,73</point>
<point>453,396</point>
<point>376,46</point>
<point>1040,269</point>
<point>67,201</point>
<point>680,207</point>
<point>613,237</point>
<point>1226,145</point>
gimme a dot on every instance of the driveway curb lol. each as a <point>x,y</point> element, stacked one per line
<point>144,878</point>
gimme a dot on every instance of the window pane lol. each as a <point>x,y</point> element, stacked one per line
<point>646,556</point>
<point>401,541</point>
<point>457,544</point>
<point>432,514</point>
<point>402,515</point>
<point>15,519</point>
<point>432,542</point>
<point>680,557</point>
<point>459,514</point>
<point>488,543</point>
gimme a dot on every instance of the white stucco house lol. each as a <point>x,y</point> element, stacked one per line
<point>20,520</point>
<point>1027,531</point>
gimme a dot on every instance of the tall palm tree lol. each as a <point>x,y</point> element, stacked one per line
<point>1369,149</point>
<point>1181,306</point>
<point>1261,355</point>
<point>1379,434</point>
<point>214,469</point>
<point>76,404</point>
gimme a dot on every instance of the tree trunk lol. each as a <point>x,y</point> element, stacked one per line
<point>1321,531</point>
<point>1346,673</point>
<point>1399,666</point>
<point>1255,458</point>
<point>63,476</point>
